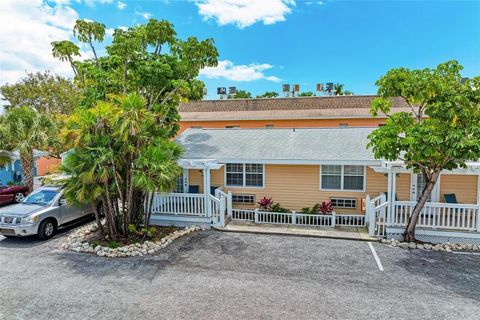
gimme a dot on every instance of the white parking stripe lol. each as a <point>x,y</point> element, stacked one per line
<point>469,253</point>
<point>377,259</point>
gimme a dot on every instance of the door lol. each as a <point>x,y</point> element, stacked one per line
<point>417,185</point>
<point>69,212</point>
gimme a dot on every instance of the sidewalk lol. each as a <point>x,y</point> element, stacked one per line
<point>346,233</point>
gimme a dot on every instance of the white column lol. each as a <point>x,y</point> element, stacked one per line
<point>185,180</point>
<point>206,190</point>
<point>391,194</point>
<point>478,203</point>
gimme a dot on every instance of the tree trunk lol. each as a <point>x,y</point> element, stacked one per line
<point>409,234</point>
<point>27,161</point>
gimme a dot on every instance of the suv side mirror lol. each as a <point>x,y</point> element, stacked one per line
<point>62,202</point>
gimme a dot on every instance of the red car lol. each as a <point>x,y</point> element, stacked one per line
<point>12,194</point>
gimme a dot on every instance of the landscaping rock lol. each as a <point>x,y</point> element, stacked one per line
<point>76,242</point>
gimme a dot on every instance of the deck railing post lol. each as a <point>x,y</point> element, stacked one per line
<point>222,211</point>
<point>334,219</point>
<point>372,218</point>
<point>478,217</point>
<point>294,217</point>
<point>229,204</point>
<point>256,215</point>
<point>367,201</point>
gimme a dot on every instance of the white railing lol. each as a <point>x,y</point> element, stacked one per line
<point>439,215</point>
<point>179,204</point>
<point>293,218</point>
<point>376,215</point>
<point>243,215</point>
<point>350,220</point>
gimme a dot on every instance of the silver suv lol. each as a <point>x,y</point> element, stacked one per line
<point>41,214</point>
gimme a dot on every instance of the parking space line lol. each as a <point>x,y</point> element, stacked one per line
<point>377,259</point>
<point>468,253</point>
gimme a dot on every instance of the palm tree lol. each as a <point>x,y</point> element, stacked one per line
<point>338,89</point>
<point>23,129</point>
<point>121,157</point>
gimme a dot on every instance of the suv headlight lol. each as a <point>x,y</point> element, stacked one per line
<point>30,219</point>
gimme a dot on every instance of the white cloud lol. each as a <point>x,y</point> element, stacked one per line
<point>121,5</point>
<point>144,14</point>
<point>91,3</point>
<point>242,73</point>
<point>244,13</point>
<point>26,30</point>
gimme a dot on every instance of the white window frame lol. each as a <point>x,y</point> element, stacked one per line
<point>342,189</point>
<point>244,186</point>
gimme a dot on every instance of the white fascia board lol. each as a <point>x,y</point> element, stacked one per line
<point>293,162</point>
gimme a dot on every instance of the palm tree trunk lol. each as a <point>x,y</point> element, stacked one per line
<point>27,161</point>
<point>409,234</point>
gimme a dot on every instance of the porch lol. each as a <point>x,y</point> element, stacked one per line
<point>438,222</point>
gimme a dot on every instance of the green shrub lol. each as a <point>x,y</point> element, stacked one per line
<point>278,208</point>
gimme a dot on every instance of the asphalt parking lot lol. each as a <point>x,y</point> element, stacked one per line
<point>215,275</point>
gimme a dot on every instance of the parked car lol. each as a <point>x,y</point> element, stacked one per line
<point>12,194</point>
<point>41,213</point>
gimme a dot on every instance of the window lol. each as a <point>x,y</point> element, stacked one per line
<point>332,177</point>
<point>243,198</point>
<point>353,177</point>
<point>196,127</point>
<point>343,203</point>
<point>232,127</point>
<point>244,175</point>
<point>179,185</point>
<point>343,125</point>
<point>336,177</point>
<point>269,126</point>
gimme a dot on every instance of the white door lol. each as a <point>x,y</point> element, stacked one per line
<point>417,185</point>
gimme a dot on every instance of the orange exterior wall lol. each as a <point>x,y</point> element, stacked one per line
<point>298,186</point>
<point>47,165</point>
<point>463,186</point>
<point>294,123</point>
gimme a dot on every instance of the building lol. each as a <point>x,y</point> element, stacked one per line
<point>12,171</point>
<point>298,112</point>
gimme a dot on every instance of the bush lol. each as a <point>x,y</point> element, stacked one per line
<point>326,207</point>
<point>278,208</point>
<point>265,203</point>
<point>313,210</point>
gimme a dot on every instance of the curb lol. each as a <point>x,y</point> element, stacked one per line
<point>295,235</point>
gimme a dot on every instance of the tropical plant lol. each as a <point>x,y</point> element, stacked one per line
<point>23,129</point>
<point>241,94</point>
<point>325,207</point>
<point>265,203</point>
<point>278,208</point>
<point>307,94</point>
<point>441,132</point>
<point>268,94</point>
<point>338,90</point>
<point>121,158</point>
<point>312,210</point>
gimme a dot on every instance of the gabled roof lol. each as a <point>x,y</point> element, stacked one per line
<point>301,146</point>
<point>357,106</point>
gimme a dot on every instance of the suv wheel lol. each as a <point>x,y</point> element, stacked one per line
<point>19,197</point>
<point>47,229</point>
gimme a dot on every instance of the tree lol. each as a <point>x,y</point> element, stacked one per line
<point>269,94</point>
<point>88,31</point>
<point>121,157</point>
<point>44,92</point>
<point>23,129</point>
<point>122,134</point>
<point>306,94</point>
<point>241,94</point>
<point>338,90</point>
<point>441,132</point>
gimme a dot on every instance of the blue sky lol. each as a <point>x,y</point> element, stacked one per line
<point>264,44</point>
